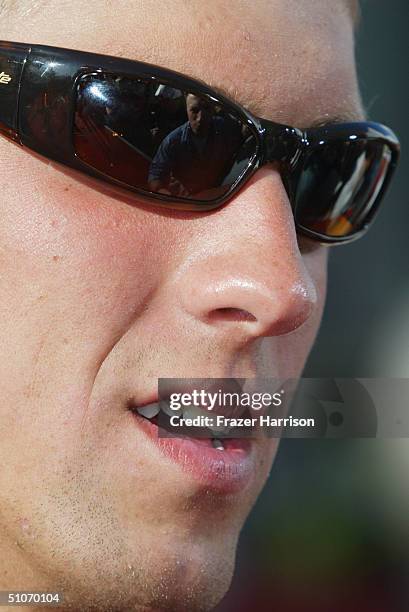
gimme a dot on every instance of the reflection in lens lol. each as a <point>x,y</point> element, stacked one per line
<point>339,184</point>
<point>159,139</point>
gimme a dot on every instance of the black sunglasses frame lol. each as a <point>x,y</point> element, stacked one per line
<point>38,86</point>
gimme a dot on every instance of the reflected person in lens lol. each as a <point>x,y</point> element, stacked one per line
<point>197,154</point>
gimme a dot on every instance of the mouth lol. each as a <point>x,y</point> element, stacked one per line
<point>223,465</point>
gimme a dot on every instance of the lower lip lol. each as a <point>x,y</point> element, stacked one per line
<point>227,471</point>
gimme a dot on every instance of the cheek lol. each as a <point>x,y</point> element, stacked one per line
<point>77,268</point>
<point>77,248</point>
<point>291,351</point>
<point>316,262</point>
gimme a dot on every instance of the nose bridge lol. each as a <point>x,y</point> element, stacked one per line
<point>281,143</point>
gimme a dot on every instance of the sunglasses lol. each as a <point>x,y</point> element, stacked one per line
<point>180,144</point>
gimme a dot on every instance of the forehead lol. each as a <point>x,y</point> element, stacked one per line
<point>195,101</point>
<point>287,60</point>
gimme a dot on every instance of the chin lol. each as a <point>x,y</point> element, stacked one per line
<point>194,575</point>
<point>187,586</point>
<point>175,574</point>
<point>194,589</point>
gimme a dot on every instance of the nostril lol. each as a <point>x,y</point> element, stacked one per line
<point>230,314</point>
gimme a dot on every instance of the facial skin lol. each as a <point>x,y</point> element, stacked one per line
<point>100,298</point>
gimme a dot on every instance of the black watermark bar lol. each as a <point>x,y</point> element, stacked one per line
<point>283,408</point>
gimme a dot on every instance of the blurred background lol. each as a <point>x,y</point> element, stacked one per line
<point>330,532</point>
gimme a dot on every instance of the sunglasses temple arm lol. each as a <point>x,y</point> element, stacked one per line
<point>13,57</point>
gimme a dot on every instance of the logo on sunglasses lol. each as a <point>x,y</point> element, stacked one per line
<point>5,78</point>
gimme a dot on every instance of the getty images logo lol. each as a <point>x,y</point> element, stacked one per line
<point>5,78</point>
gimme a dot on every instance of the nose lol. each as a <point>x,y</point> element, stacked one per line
<point>247,271</point>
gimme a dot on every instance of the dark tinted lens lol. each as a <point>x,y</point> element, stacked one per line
<point>339,185</point>
<point>160,139</point>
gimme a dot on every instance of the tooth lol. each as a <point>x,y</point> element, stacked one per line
<point>194,411</point>
<point>218,429</point>
<point>190,412</point>
<point>165,407</point>
<point>217,444</point>
<point>149,411</point>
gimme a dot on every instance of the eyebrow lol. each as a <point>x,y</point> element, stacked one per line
<point>349,116</point>
<point>328,119</point>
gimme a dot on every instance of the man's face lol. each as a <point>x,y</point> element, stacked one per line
<point>100,298</point>
<point>198,113</point>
